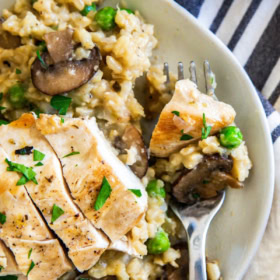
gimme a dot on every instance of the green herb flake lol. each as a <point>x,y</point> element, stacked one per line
<point>61,103</point>
<point>87,9</point>
<point>28,172</point>
<point>1,95</point>
<point>38,156</point>
<point>1,267</point>
<point>176,113</point>
<point>186,137</point>
<point>136,192</point>
<point>3,122</point>
<point>29,253</point>
<point>56,213</point>
<point>196,195</point>
<point>9,277</point>
<point>2,108</point>
<point>18,71</point>
<point>205,182</point>
<point>103,195</point>
<point>71,154</point>
<point>205,130</point>
<point>62,120</point>
<point>44,65</point>
<point>39,164</point>
<point>3,218</point>
<point>32,264</point>
<point>22,181</point>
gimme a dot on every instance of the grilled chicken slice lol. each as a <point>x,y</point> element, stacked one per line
<point>84,241</point>
<point>87,158</point>
<point>7,262</point>
<point>47,256</point>
<point>189,104</point>
<point>24,225</point>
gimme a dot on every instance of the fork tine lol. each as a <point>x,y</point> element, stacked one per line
<point>180,71</point>
<point>209,76</point>
<point>192,70</point>
<point>166,73</point>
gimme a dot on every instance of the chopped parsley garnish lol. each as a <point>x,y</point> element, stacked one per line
<point>56,213</point>
<point>9,277</point>
<point>22,181</point>
<point>2,108</point>
<point>103,195</point>
<point>136,192</point>
<point>71,154</point>
<point>87,9</point>
<point>3,218</point>
<point>39,164</point>
<point>29,253</point>
<point>32,264</point>
<point>205,182</point>
<point>27,172</point>
<point>38,156</point>
<point>24,151</point>
<point>1,95</point>
<point>205,130</point>
<point>196,195</point>
<point>62,120</point>
<point>1,267</point>
<point>184,136</point>
<point>3,122</point>
<point>42,46</point>
<point>176,113</point>
<point>18,71</point>
<point>43,63</point>
<point>61,103</point>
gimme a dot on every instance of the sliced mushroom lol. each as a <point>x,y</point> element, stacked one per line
<point>132,138</point>
<point>180,273</point>
<point>208,178</point>
<point>56,78</point>
<point>7,40</point>
<point>59,44</point>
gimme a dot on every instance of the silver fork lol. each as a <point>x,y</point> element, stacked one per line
<point>196,218</point>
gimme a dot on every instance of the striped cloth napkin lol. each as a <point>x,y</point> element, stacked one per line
<point>251,30</point>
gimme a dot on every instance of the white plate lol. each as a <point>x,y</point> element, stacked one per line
<point>237,230</point>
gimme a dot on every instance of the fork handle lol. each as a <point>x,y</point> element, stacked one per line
<point>196,241</point>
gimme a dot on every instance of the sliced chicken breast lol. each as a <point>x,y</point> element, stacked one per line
<point>184,115</point>
<point>7,262</point>
<point>84,241</point>
<point>87,158</point>
<point>24,225</point>
<point>46,255</point>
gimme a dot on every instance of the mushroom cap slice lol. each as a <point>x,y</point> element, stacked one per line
<point>59,44</point>
<point>133,138</point>
<point>209,177</point>
<point>64,76</point>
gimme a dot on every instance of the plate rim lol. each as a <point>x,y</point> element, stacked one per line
<point>269,145</point>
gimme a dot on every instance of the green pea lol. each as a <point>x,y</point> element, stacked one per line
<point>159,244</point>
<point>155,189</point>
<point>16,96</point>
<point>105,18</point>
<point>128,10</point>
<point>231,137</point>
<point>87,9</point>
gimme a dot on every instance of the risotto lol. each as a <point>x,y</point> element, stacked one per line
<point>116,44</point>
